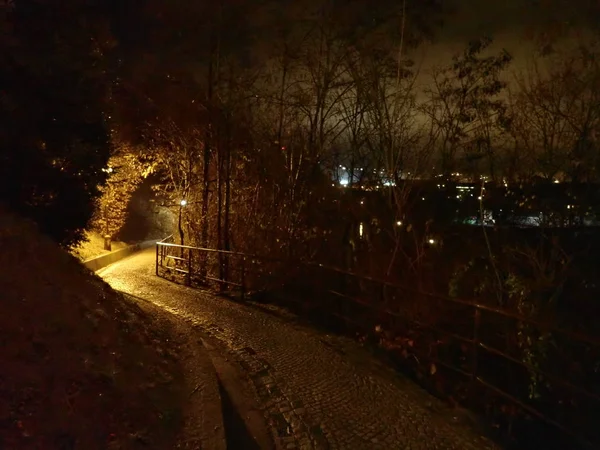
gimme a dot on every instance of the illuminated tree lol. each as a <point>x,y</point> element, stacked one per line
<point>124,172</point>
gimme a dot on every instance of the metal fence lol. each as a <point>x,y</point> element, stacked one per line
<point>465,338</point>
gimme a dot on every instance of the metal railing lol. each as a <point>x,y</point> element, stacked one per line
<point>194,264</point>
<point>337,289</point>
<point>479,349</point>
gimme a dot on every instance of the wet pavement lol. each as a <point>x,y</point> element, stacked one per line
<point>315,390</point>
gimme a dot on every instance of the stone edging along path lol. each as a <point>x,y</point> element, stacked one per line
<point>99,262</point>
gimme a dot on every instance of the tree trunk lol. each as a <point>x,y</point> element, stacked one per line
<point>226,222</point>
<point>107,243</point>
<point>207,158</point>
<point>220,177</point>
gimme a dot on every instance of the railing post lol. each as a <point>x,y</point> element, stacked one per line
<point>189,267</point>
<point>475,355</point>
<point>243,280</point>
<point>156,265</point>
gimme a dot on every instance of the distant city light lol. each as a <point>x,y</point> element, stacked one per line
<point>183,202</point>
<point>431,241</point>
<point>360,230</point>
<point>399,223</point>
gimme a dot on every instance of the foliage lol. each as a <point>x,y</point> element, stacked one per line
<point>125,172</point>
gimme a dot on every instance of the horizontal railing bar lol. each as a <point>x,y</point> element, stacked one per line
<point>534,412</point>
<point>165,239</point>
<point>572,334</point>
<point>178,258</point>
<point>176,269</point>
<point>484,346</point>
<point>539,371</point>
<point>168,244</point>
<point>223,281</point>
<point>225,252</point>
<point>402,317</point>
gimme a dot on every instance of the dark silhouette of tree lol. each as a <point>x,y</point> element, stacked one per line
<point>53,133</point>
<point>465,108</point>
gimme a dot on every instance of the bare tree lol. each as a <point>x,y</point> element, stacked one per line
<point>464,106</point>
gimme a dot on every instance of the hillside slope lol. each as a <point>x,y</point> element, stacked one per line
<point>80,367</point>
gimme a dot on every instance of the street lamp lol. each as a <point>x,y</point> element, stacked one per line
<point>183,202</point>
<point>107,237</point>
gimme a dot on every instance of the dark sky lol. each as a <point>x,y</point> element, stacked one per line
<point>512,24</point>
<point>476,17</point>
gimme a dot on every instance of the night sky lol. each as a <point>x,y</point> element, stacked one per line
<point>516,17</point>
<point>514,25</point>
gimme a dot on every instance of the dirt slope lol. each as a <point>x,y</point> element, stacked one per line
<point>80,367</point>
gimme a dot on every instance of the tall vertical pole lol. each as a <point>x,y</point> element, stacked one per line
<point>156,268</point>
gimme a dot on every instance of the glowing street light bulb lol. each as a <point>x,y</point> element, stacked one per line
<point>431,241</point>
<point>183,202</point>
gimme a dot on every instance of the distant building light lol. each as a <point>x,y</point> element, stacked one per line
<point>360,230</point>
<point>399,223</point>
<point>431,241</point>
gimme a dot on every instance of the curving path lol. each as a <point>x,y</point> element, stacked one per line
<point>316,390</point>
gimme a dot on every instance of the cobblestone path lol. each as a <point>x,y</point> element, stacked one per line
<point>316,390</point>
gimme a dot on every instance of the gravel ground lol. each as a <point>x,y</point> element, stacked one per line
<point>315,390</point>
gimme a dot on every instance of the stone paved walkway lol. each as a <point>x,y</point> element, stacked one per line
<point>316,390</point>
